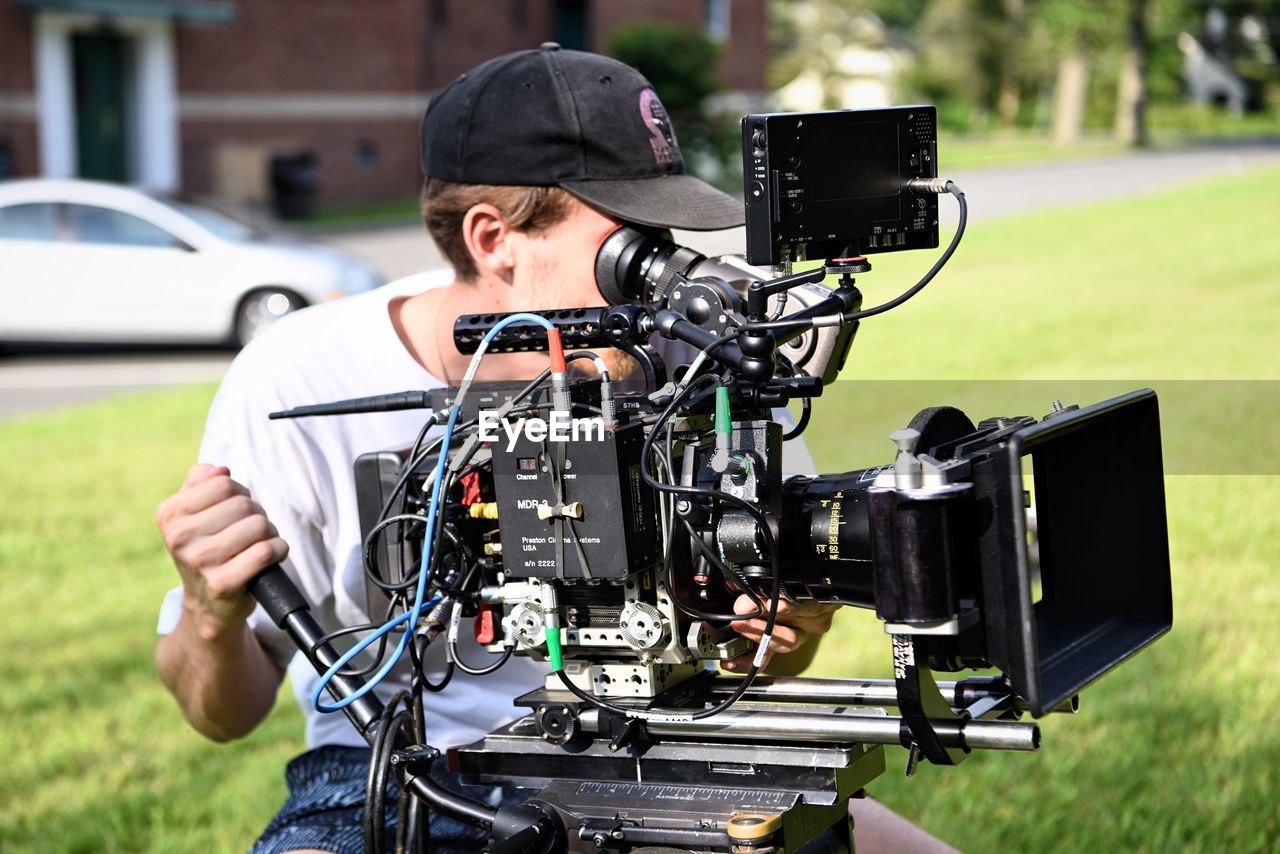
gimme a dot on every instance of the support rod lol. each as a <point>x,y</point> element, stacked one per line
<point>872,692</point>
<point>813,726</point>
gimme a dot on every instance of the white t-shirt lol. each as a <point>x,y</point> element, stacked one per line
<point>301,472</point>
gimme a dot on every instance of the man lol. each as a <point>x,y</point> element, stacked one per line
<point>531,159</point>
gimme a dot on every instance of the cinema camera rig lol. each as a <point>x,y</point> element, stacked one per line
<point>612,540</point>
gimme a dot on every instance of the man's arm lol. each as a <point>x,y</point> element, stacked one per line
<point>219,538</point>
<point>225,686</point>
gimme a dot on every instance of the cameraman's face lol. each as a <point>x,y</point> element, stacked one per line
<point>555,268</point>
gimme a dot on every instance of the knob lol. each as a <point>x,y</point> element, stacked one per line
<point>905,439</point>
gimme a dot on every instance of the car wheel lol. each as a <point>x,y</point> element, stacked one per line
<point>261,308</point>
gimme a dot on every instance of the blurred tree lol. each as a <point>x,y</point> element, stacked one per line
<point>962,54</point>
<point>680,62</point>
<point>970,57</point>
<point>1068,65</point>
<point>1009,98</point>
<point>1168,18</point>
<point>1079,31</point>
<point>816,40</point>
<point>1131,97</point>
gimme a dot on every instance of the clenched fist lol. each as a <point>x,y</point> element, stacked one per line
<point>219,539</point>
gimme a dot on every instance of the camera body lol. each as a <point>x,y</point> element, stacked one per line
<point>611,532</point>
<point>937,543</point>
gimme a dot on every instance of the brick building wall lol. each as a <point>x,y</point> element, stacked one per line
<point>306,46</point>
<point>345,81</point>
<point>18,151</point>
<point>463,33</point>
<point>17,73</point>
<point>397,47</point>
<point>742,64</point>
<point>357,162</point>
<point>742,61</point>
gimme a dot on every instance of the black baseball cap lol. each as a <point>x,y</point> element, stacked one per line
<point>584,122</point>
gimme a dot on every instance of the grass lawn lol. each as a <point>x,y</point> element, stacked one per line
<point>1178,749</point>
<point>959,152</point>
<point>406,211</point>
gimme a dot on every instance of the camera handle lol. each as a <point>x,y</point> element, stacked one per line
<point>758,292</point>
<point>616,326</point>
<point>518,828</point>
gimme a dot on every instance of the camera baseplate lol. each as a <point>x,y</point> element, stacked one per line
<point>695,794</point>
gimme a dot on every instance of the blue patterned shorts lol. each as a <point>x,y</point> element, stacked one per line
<point>325,808</point>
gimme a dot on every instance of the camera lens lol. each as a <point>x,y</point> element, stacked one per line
<point>639,266</point>
<point>826,534</point>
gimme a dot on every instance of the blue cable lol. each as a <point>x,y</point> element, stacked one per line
<point>411,616</point>
<point>414,614</point>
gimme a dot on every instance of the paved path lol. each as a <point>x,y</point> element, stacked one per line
<point>33,382</point>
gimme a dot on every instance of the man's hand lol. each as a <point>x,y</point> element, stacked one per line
<point>219,539</point>
<point>797,624</point>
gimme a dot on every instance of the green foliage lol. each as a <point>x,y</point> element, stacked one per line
<point>900,14</point>
<point>1164,72</point>
<point>1174,751</point>
<point>994,64</point>
<point>1194,121</point>
<point>961,48</point>
<point>785,43</point>
<point>1004,149</point>
<point>681,63</point>
<point>1104,78</point>
<point>813,38</point>
<point>1091,25</point>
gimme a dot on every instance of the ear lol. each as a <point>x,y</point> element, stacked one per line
<point>487,236</point>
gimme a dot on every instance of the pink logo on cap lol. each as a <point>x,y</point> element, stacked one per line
<point>656,120</point>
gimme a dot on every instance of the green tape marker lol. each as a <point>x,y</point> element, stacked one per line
<point>723,424</point>
<point>553,647</point>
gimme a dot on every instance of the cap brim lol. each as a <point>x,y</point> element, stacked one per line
<point>667,201</point>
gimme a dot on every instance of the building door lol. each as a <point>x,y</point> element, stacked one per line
<point>572,27</point>
<point>99,63</point>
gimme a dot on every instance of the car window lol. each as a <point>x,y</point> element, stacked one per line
<point>219,223</point>
<point>37,221</point>
<point>89,224</point>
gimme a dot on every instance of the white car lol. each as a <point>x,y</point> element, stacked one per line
<point>82,261</point>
